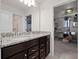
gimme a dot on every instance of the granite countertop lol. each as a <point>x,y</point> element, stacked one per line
<point>7,41</point>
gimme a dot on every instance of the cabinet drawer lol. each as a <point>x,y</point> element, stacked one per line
<point>43,57</point>
<point>22,55</point>
<point>42,49</point>
<point>42,45</point>
<point>37,58</point>
<point>33,56</point>
<point>33,42</point>
<point>33,49</point>
<point>11,50</point>
<point>42,54</point>
<point>42,39</point>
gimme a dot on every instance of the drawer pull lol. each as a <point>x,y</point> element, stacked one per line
<point>25,55</point>
<point>33,50</point>
<point>33,57</point>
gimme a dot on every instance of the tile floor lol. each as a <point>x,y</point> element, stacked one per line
<point>64,51</point>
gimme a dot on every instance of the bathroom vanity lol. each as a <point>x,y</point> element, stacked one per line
<point>32,47</point>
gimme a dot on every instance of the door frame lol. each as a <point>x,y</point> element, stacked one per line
<point>69,1</point>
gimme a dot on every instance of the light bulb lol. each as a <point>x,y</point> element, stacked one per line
<point>33,2</point>
<point>25,2</point>
<point>21,0</point>
<point>29,3</point>
<point>69,11</point>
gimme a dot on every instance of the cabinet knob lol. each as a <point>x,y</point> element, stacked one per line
<point>25,55</point>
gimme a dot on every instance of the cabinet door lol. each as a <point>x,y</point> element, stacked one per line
<point>11,50</point>
<point>42,55</point>
<point>42,42</point>
<point>47,45</point>
<point>22,55</point>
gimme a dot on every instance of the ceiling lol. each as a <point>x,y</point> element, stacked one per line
<point>60,10</point>
<point>63,7</point>
<point>18,4</point>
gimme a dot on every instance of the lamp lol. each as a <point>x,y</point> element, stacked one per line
<point>21,0</point>
<point>28,2</point>
<point>25,2</point>
<point>69,11</point>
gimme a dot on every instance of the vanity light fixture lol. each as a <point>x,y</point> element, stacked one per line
<point>29,3</point>
<point>21,0</point>
<point>25,2</point>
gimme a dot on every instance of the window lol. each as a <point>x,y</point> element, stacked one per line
<point>66,22</point>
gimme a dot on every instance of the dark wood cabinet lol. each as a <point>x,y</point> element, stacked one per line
<point>34,55</point>
<point>33,49</point>
<point>42,56</point>
<point>44,46</point>
<point>37,48</point>
<point>47,45</point>
<point>22,55</point>
<point>11,50</point>
<point>33,42</point>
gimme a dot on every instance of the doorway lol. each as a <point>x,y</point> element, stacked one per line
<point>66,22</point>
<point>66,31</point>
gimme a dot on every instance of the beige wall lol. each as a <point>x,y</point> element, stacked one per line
<point>17,23</point>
